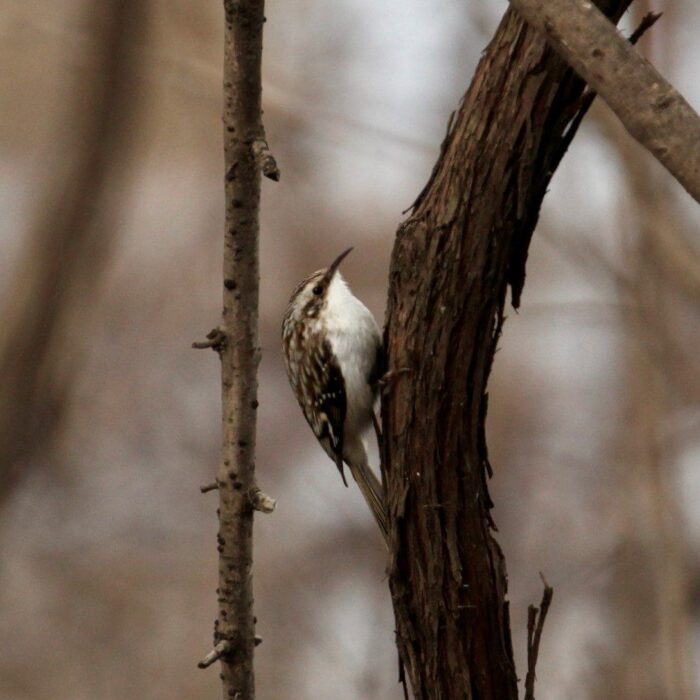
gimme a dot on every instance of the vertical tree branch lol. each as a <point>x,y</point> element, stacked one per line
<point>238,349</point>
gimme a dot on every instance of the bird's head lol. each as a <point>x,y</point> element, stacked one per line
<point>310,297</point>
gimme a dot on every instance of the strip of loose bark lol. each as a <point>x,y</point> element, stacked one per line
<point>651,109</point>
<point>453,260</point>
<point>238,346</point>
<point>535,625</point>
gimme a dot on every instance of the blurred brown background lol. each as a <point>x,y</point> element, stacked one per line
<point>112,200</point>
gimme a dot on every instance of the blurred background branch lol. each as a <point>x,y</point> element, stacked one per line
<point>65,253</point>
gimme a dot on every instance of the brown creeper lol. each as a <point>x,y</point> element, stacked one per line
<point>332,350</point>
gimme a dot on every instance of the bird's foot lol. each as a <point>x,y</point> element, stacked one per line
<point>388,378</point>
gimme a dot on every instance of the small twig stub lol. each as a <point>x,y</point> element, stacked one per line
<point>216,340</point>
<point>648,21</point>
<point>535,624</point>
<point>221,649</point>
<point>265,160</point>
<point>261,501</point>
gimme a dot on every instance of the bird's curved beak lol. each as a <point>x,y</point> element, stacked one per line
<point>336,263</point>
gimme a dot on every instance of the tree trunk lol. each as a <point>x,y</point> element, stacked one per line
<point>453,259</point>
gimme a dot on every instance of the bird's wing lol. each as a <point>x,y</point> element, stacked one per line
<point>329,405</point>
<point>379,367</point>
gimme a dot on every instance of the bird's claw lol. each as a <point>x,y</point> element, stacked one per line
<point>388,378</point>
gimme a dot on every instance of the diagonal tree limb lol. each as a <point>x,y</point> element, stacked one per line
<point>650,108</point>
<point>588,97</point>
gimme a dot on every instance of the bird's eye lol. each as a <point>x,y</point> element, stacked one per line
<point>317,289</point>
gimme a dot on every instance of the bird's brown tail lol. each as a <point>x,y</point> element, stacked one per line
<point>373,493</point>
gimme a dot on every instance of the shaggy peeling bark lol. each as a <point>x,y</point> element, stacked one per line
<point>466,241</point>
<point>237,344</point>
<point>651,109</point>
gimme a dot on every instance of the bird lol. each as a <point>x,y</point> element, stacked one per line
<point>333,355</point>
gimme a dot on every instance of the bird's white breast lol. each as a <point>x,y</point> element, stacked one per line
<point>355,339</point>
